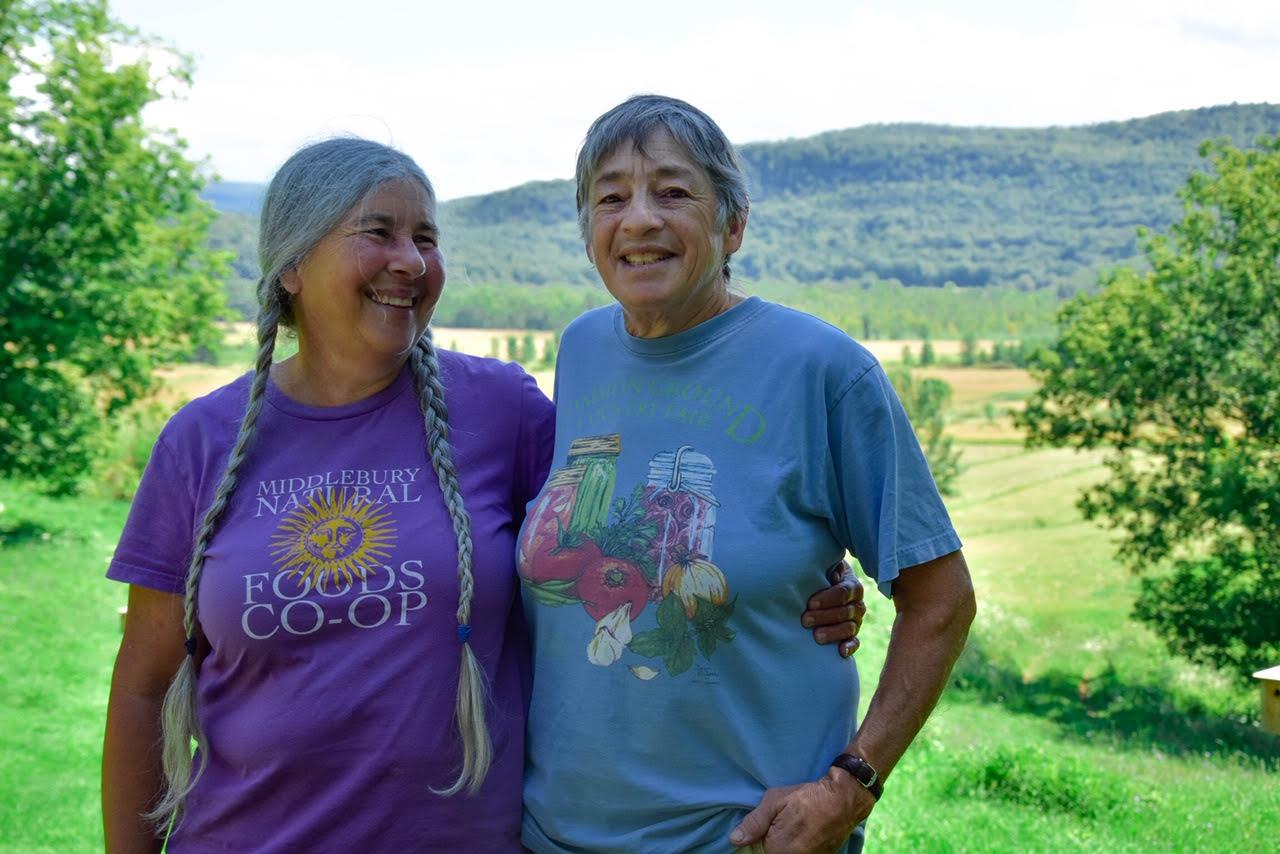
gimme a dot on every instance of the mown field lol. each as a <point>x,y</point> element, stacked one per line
<point>1067,727</point>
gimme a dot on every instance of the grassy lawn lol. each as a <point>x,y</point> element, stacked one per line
<point>1067,727</point>
<point>58,634</point>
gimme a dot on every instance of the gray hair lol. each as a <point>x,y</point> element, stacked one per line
<point>635,121</point>
<point>310,194</point>
<point>307,198</point>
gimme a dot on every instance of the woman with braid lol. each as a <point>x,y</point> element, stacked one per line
<point>323,553</point>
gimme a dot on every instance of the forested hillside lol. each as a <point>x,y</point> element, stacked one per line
<point>1025,209</point>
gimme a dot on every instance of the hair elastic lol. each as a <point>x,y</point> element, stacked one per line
<point>190,644</point>
<point>464,632</point>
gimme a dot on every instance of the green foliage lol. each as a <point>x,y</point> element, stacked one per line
<point>672,641</point>
<point>1016,354</point>
<point>895,310</point>
<point>920,204</point>
<point>553,593</point>
<point>1056,684</point>
<point>926,402</point>
<point>889,309</point>
<point>104,268</point>
<point>630,533</point>
<point>1178,371</point>
<point>549,352</point>
<point>515,306</point>
<point>1041,780</point>
<point>237,234</point>
<point>1231,601</point>
<point>1029,211</point>
<point>127,444</point>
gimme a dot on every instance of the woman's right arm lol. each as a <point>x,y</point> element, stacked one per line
<point>132,779</point>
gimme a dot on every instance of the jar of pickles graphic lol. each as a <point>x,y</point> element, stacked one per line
<point>598,455</point>
<point>678,498</point>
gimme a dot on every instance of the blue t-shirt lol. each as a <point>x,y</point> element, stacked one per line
<point>701,484</point>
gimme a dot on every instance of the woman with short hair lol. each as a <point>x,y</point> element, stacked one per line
<point>744,446</point>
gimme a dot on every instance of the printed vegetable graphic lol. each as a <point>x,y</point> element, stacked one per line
<point>614,555</point>
<point>613,633</point>
<point>547,549</point>
<point>692,577</point>
<point>608,583</point>
<point>558,555</point>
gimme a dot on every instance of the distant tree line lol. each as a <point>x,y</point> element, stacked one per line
<point>853,212</point>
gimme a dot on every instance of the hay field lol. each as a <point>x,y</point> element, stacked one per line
<point>185,382</point>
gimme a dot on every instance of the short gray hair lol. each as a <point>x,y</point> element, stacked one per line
<point>310,194</point>
<point>635,121</point>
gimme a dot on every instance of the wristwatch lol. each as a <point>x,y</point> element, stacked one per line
<point>862,771</point>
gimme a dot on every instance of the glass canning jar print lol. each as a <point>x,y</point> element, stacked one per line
<point>544,552</point>
<point>678,498</point>
<point>599,457</point>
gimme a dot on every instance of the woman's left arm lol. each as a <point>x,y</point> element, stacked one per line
<point>935,606</point>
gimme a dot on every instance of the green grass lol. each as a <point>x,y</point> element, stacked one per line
<point>58,633</point>
<point>1067,726</point>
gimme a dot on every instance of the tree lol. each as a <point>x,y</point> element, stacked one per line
<point>1176,371</point>
<point>925,402</point>
<point>104,269</point>
<point>927,356</point>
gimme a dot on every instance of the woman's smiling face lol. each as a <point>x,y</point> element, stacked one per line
<point>654,236</point>
<point>368,289</point>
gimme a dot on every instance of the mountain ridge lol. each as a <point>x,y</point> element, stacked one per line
<point>911,202</point>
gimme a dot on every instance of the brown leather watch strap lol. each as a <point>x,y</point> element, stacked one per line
<point>862,771</point>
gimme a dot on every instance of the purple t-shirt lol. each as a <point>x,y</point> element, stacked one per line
<point>329,595</point>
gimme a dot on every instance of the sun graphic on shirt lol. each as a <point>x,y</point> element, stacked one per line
<point>333,536</point>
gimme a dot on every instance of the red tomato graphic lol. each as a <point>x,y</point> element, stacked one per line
<point>550,553</point>
<point>609,582</point>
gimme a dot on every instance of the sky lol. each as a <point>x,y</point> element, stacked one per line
<point>487,95</point>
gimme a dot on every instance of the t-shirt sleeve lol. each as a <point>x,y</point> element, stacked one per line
<point>155,547</point>
<point>534,444</point>
<point>892,515</point>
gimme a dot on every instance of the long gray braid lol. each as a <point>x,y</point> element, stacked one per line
<point>469,710</point>
<point>179,717</point>
<point>308,196</point>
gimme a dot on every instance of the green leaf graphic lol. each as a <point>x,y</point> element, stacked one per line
<point>671,616</point>
<point>554,593</point>
<point>681,658</point>
<point>709,625</point>
<point>707,644</point>
<point>651,644</point>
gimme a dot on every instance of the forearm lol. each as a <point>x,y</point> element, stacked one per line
<point>935,607</point>
<point>928,635</point>
<point>131,772</point>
